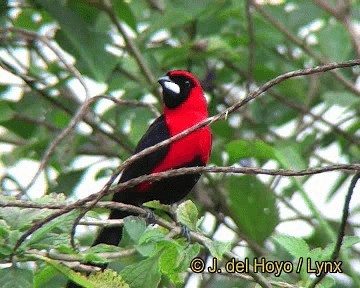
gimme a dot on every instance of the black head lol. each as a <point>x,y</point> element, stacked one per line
<point>177,86</point>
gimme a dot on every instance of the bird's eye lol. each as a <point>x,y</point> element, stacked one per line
<point>187,83</point>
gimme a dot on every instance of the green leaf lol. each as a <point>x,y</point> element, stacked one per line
<point>187,214</point>
<point>85,41</point>
<point>218,248</point>
<point>67,181</point>
<point>297,247</point>
<point>4,229</point>
<point>289,156</point>
<point>26,20</point>
<point>72,275</point>
<point>135,227</point>
<point>95,259</point>
<point>5,250</point>
<point>325,254</point>
<point>54,234</point>
<point>155,204</point>
<point>20,127</point>
<point>145,273</point>
<point>222,129</point>
<point>341,98</point>
<point>6,113</point>
<point>21,219</point>
<point>252,206</point>
<point>108,279</point>
<point>16,278</point>
<point>60,119</point>
<point>147,243</point>
<point>137,119</point>
<point>350,241</point>
<point>151,235</point>
<point>170,260</point>
<point>191,251</point>
<point>244,148</point>
<point>43,275</point>
<point>327,282</point>
<point>123,11</point>
<point>334,42</point>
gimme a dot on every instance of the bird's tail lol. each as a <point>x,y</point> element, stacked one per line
<point>111,235</point>
<point>108,235</point>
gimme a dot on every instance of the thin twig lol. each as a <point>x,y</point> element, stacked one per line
<point>341,233</point>
<point>131,103</point>
<point>53,254</point>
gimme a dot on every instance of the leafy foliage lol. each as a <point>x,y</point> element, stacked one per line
<point>50,49</point>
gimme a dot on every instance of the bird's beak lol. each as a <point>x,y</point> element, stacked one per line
<point>164,79</point>
<point>168,85</point>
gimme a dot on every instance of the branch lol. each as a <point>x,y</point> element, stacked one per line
<point>84,203</point>
<point>53,254</point>
<point>341,234</point>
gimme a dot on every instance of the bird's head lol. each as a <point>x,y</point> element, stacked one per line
<point>178,86</point>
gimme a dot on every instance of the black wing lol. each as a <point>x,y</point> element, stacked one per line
<point>157,132</point>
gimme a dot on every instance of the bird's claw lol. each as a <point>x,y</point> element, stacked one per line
<point>185,232</point>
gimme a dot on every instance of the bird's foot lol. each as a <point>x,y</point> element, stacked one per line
<point>185,232</point>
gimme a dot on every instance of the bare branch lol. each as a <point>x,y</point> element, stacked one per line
<point>131,103</point>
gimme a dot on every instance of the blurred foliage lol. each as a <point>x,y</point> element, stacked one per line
<point>124,46</point>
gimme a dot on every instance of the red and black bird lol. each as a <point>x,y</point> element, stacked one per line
<point>184,107</point>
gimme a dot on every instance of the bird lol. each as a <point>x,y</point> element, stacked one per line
<point>184,105</point>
